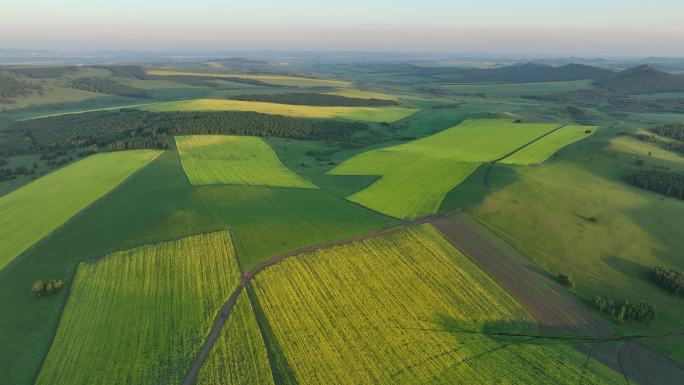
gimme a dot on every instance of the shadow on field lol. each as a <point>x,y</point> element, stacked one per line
<point>473,191</point>
<point>626,266</point>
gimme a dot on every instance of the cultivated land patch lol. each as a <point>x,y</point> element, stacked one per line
<point>416,176</point>
<point>280,80</point>
<point>541,150</point>
<point>139,316</point>
<point>239,356</point>
<point>354,93</point>
<point>35,210</point>
<point>405,308</point>
<point>238,160</point>
<point>369,114</point>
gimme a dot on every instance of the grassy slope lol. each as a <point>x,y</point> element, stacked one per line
<point>139,316</point>
<point>539,151</point>
<point>371,114</point>
<point>282,80</point>
<point>544,212</point>
<point>520,89</point>
<point>155,204</point>
<point>240,160</point>
<point>239,356</point>
<point>35,210</point>
<point>388,310</point>
<point>412,185</point>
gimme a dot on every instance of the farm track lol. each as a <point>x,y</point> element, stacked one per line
<point>491,164</point>
<point>556,311</point>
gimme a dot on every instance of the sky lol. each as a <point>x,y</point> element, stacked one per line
<point>581,27</point>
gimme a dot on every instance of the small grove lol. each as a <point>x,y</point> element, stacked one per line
<point>625,311</point>
<point>41,288</point>
<point>663,182</point>
<point>669,279</point>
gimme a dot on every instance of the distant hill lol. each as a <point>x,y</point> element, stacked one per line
<point>643,79</point>
<point>531,72</point>
<point>518,73</point>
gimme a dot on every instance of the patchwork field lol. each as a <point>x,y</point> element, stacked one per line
<point>541,150</point>
<point>417,175</point>
<point>406,308</point>
<point>139,316</point>
<point>239,355</point>
<point>280,80</point>
<point>238,160</point>
<point>369,114</point>
<point>36,209</point>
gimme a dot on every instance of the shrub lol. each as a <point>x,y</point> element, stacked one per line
<point>38,288</point>
<point>566,280</point>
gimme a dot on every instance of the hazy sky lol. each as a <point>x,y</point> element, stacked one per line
<point>598,27</point>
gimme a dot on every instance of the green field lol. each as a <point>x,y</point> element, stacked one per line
<point>417,175</point>
<point>389,310</point>
<point>541,150</point>
<point>239,355</point>
<point>237,160</point>
<point>139,316</point>
<point>38,208</point>
<point>546,212</point>
<point>370,114</point>
<point>279,80</point>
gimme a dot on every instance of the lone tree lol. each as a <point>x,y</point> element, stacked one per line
<point>38,288</point>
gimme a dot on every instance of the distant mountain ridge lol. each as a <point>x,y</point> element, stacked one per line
<point>643,79</point>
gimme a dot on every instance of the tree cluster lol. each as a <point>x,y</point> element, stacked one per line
<point>673,131</point>
<point>13,88</point>
<point>663,182</point>
<point>625,311</point>
<point>41,288</point>
<point>107,86</point>
<point>315,99</point>
<point>669,279</point>
<point>44,72</point>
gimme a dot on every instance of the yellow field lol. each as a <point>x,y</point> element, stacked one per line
<point>370,114</point>
<point>35,210</point>
<point>406,308</point>
<point>239,355</point>
<point>241,160</point>
<point>281,80</point>
<point>354,93</point>
<point>140,316</point>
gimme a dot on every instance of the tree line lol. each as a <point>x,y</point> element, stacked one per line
<point>663,182</point>
<point>669,279</point>
<point>315,99</point>
<point>673,131</point>
<point>107,86</point>
<point>128,127</point>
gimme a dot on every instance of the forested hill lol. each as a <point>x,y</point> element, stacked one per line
<point>642,80</point>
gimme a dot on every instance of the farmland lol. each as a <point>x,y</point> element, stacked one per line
<point>239,160</point>
<point>138,316</point>
<point>389,310</point>
<point>239,356</point>
<point>35,210</point>
<point>539,151</point>
<point>412,185</point>
<point>280,80</point>
<point>370,114</point>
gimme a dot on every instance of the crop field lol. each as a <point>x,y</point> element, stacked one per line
<point>279,80</point>
<point>541,150</point>
<point>416,176</point>
<point>139,316</point>
<point>36,209</point>
<point>405,308</point>
<point>361,94</point>
<point>238,160</point>
<point>369,114</point>
<point>239,355</point>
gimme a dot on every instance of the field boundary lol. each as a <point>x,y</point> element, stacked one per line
<point>491,164</point>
